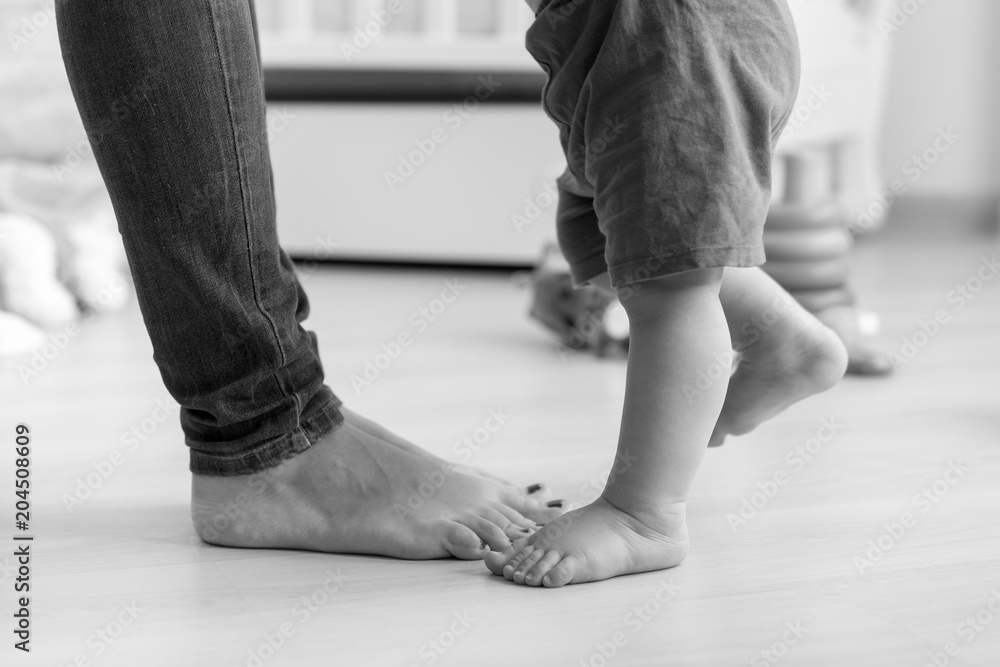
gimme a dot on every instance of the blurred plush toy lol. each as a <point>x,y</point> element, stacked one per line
<point>92,262</point>
<point>29,283</point>
<point>60,252</point>
<point>48,280</point>
<point>583,319</point>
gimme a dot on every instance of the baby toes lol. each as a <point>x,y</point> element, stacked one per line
<point>497,562</point>
<point>562,573</point>
<point>542,567</point>
<point>515,562</point>
<point>521,571</point>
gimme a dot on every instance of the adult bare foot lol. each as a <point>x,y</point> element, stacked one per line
<point>352,492</point>
<point>595,542</point>
<point>539,493</point>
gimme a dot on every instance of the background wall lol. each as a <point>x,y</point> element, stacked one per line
<point>946,72</point>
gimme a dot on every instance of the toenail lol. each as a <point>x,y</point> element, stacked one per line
<point>555,503</point>
<point>534,488</point>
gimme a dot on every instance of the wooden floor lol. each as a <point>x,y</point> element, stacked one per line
<point>804,561</point>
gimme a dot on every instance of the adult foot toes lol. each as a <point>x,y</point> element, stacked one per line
<point>507,521</point>
<point>537,508</point>
<point>464,542</point>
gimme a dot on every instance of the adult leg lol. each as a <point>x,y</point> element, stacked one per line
<point>171,97</point>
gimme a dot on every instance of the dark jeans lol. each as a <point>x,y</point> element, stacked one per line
<point>171,96</point>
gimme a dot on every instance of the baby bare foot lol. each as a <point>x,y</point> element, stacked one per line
<point>776,373</point>
<point>595,542</point>
<point>355,493</point>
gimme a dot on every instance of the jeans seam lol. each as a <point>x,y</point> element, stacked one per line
<point>243,197</point>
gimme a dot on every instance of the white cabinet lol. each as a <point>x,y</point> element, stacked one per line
<point>460,204</point>
<point>482,195</point>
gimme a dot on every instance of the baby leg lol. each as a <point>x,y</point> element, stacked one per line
<point>786,354</point>
<point>678,328</point>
